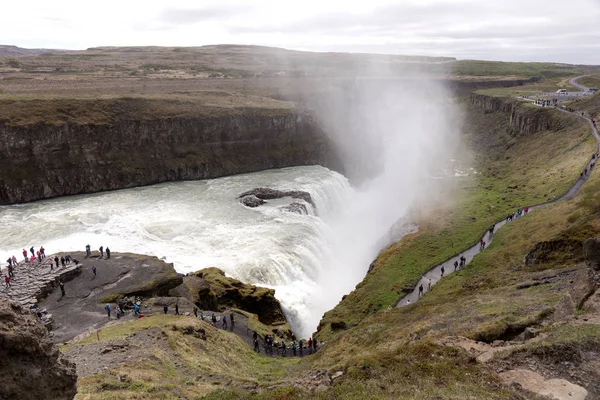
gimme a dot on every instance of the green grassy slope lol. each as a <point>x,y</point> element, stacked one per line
<point>515,171</point>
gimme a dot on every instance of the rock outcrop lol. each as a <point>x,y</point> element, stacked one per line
<point>524,118</point>
<point>591,253</point>
<point>297,208</point>
<point>210,289</point>
<point>45,160</point>
<point>32,366</point>
<point>269,194</point>
<point>117,279</point>
<point>559,251</point>
<point>252,201</point>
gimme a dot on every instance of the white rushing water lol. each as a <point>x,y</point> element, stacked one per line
<point>200,224</point>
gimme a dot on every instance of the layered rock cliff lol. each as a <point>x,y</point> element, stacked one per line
<point>32,366</point>
<point>524,118</point>
<point>44,160</point>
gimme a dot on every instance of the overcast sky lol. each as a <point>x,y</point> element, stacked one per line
<point>510,30</point>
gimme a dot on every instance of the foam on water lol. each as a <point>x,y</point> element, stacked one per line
<point>200,224</point>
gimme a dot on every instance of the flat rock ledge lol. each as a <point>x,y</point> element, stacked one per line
<point>33,281</point>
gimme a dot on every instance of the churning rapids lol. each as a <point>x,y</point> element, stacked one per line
<point>305,258</point>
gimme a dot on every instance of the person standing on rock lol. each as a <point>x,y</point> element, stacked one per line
<point>10,271</point>
<point>62,288</point>
<point>94,270</point>
<point>56,260</point>
<point>14,261</point>
<point>315,344</point>
<point>232,319</point>
<point>32,250</point>
<point>420,290</point>
<point>107,253</point>
<point>7,281</point>
<point>62,261</point>
<point>294,347</point>
<point>9,261</point>
<point>165,309</point>
<point>25,255</point>
<point>43,252</point>
<point>88,250</point>
<point>136,309</point>
<point>101,249</point>
<point>224,322</point>
<point>213,319</point>
<point>107,308</point>
<point>39,256</point>
<point>176,308</point>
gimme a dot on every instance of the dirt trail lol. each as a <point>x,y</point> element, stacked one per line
<point>431,277</point>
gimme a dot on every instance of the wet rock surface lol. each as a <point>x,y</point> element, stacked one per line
<point>297,208</point>
<point>270,194</point>
<point>32,366</point>
<point>252,201</point>
<point>123,275</point>
<point>211,290</point>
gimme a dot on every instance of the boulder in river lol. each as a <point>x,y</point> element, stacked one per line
<point>251,201</point>
<point>297,208</point>
<point>269,194</point>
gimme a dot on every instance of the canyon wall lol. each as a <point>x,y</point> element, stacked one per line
<point>43,160</point>
<point>524,118</point>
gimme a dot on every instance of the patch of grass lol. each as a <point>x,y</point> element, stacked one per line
<point>111,298</point>
<point>592,81</point>
<point>171,369</point>
<point>405,371</point>
<point>525,70</point>
<point>550,85</point>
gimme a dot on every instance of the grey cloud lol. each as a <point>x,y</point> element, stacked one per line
<point>512,29</point>
<point>195,15</point>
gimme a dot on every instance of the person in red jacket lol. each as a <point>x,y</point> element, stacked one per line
<point>7,281</point>
<point>25,254</point>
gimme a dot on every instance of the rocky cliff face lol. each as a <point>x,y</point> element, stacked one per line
<point>524,118</point>
<point>46,160</point>
<point>210,289</point>
<point>32,366</point>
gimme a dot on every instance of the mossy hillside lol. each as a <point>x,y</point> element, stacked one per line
<point>515,170</point>
<point>481,301</point>
<point>421,370</point>
<point>589,104</point>
<point>591,81</point>
<point>176,362</point>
